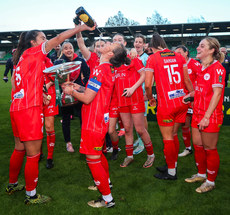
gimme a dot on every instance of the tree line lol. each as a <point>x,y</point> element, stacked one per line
<point>156,19</point>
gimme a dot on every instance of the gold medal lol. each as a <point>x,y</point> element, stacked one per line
<point>49,97</point>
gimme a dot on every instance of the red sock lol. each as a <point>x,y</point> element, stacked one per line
<point>16,161</point>
<point>99,175</point>
<point>213,163</point>
<point>149,148</point>
<point>105,164</point>
<point>50,143</point>
<point>200,158</point>
<point>129,150</point>
<point>186,134</point>
<point>169,152</point>
<point>31,172</point>
<point>177,146</point>
<point>115,144</point>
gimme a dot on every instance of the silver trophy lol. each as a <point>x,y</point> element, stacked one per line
<point>62,73</point>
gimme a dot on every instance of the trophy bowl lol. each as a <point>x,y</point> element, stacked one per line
<point>68,100</point>
<point>65,71</point>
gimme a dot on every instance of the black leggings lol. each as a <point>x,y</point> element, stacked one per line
<point>66,114</point>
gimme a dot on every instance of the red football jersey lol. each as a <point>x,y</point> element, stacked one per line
<point>48,77</point>
<point>169,77</point>
<point>194,68</point>
<point>29,79</point>
<point>207,79</point>
<point>93,61</point>
<point>126,77</point>
<point>95,116</point>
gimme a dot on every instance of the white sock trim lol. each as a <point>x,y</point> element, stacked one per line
<point>107,198</point>
<point>210,182</point>
<point>201,175</point>
<point>31,193</point>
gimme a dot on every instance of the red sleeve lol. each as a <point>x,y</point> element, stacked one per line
<point>150,63</point>
<point>218,76</point>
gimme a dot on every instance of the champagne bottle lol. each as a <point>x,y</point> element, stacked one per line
<point>84,17</point>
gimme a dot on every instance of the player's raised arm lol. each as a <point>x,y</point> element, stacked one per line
<point>65,35</point>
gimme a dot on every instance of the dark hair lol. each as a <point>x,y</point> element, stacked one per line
<point>140,36</point>
<point>157,41</point>
<point>24,43</point>
<point>120,56</point>
<point>184,48</point>
<point>20,48</point>
<point>118,34</point>
<point>94,43</point>
<point>31,35</point>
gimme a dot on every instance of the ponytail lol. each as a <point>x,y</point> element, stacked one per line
<point>20,48</point>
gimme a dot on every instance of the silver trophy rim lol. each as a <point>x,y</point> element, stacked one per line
<point>64,68</point>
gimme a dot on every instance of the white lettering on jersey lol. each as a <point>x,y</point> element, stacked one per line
<point>96,72</point>
<point>169,60</point>
<point>219,71</point>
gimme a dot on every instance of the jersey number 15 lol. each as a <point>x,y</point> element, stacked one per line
<point>174,76</point>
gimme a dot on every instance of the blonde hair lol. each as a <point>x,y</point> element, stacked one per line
<point>214,44</point>
<point>62,47</point>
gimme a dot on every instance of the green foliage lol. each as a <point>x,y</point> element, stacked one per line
<point>135,190</point>
<point>156,19</point>
<point>120,20</point>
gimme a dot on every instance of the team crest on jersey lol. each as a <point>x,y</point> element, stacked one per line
<point>189,71</point>
<point>98,148</point>
<point>206,77</point>
<point>167,54</point>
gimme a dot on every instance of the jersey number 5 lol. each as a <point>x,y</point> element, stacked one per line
<point>174,76</point>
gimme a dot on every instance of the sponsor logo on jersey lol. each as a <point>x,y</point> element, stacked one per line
<point>219,71</point>
<point>19,95</point>
<point>96,72</point>
<point>206,77</point>
<point>167,120</point>
<point>98,148</point>
<point>167,54</point>
<point>106,117</point>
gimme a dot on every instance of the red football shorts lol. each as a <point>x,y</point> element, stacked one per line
<point>91,142</point>
<point>113,112</point>
<point>212,127</point>
<point>28,124</point>
<point>135,108</point>
<point>171,116</point>
<point>51,109</point>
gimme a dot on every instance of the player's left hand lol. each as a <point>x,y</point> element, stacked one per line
<point>128,92</point>
<point>203,123</point>
<point>133,53</point>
